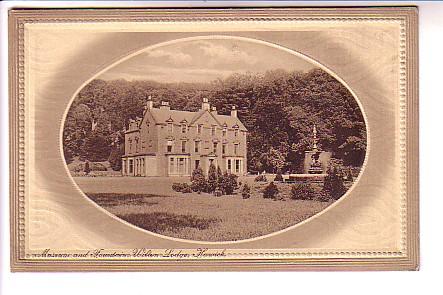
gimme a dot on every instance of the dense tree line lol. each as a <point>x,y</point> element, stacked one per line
<point>278,108</point>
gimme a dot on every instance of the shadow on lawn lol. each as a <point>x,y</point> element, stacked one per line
<point>155,221</point>
<point>111,199</point>
<point>161,221</point>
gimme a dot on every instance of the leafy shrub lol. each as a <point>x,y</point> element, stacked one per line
<point>246,191</point>
<point>261,178</point>
<point>78,168</point>
<point>98,167</point>
<point>228,183</point>
<point>89,166</point>
<point>186,189</point>
<point>303,191</point>
<point>323,196</point>
<point>177,187</point>
<point>334,182</point>
<point>271,191</point>
<point>218,193</point>
<point>198,180</point>
<point>278,176</point>
<point>181,187</point>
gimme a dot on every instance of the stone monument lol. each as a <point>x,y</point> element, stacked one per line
<point>316,160</point>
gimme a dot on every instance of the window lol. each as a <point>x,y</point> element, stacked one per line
<point>199,128</point>
<point>224,148</point>
<point>130,145</point>
<point>237,166</point>
<point>183,146</point>
<point>236,132</point>
<point>170,127</point>
<point>136,145</point>
<point>184,127</point>
<point>229,165</point>
<point>197,164</point>
<point>215,147</point>
<point>213,130</point>
<point>196,146</point>
<point>224,131</point>
<point>169,146</point>
<point>236,148</point>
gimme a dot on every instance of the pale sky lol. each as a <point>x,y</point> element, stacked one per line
<point>204,61</point>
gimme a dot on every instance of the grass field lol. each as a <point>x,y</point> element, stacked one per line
<point>150,203</point>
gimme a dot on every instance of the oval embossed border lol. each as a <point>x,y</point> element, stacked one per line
<point>215,37</point>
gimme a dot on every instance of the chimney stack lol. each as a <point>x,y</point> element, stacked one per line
<point>165,106</point>
<point>234,112</point>
<point>149,103</point>
<point>214,110</point>
<point>205,105</point>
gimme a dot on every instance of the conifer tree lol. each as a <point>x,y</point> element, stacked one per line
<point>198,181</point>
<point>212,179</point>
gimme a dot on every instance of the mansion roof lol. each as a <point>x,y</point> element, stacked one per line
<point>167,115</point>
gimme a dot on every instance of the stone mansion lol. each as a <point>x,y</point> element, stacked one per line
<point>169,142</point>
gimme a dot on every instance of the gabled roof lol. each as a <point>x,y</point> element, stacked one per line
<point>231,122</point>
<point>164,115</point>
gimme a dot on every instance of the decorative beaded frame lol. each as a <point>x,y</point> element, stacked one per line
<point>406,259</point>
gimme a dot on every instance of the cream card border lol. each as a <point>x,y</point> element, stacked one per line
<point>405,258</point>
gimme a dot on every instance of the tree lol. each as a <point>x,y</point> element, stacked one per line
<point>219,177</point>
<point>115,159</point>
<point>212,179</point>
<point>96,147</point>
<point>77,125</point>
<point>198,181</point>
<point>276,159</point>
<point>271,191</point>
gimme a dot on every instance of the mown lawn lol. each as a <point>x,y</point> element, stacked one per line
<point>152,205</point>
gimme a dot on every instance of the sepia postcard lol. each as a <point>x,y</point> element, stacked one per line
<point>214,139</point>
